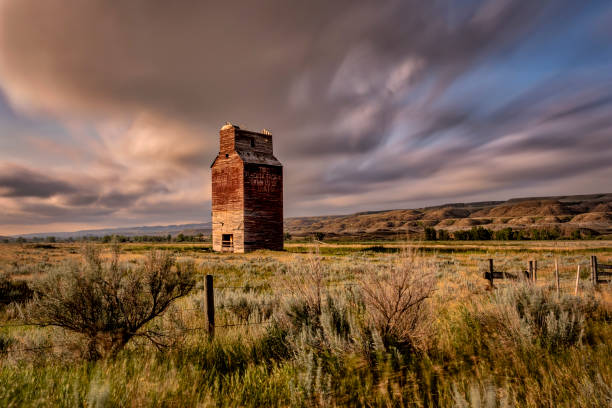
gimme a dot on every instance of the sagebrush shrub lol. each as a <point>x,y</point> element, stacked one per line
<point>302,314</point>
<point>110,303</point>
<point>5,342</point>
<point>339,318</point>
<point>14,291</point>
<point>552,321</point>
<point>242,309</point>
<point>397,302</point>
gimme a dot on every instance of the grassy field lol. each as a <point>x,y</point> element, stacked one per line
<point>308,327</point>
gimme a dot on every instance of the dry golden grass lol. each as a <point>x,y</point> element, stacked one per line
<point>293,354</point>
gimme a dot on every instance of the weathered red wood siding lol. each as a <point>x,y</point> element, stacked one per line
<point>263,207</point>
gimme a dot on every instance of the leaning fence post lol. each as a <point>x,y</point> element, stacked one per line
<point>557,275</point>
<point>210,305</point>
<point>577,280</point>
<point>491,272</point>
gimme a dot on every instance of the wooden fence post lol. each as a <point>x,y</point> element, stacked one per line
<point>594,269</point>
<point>531,271</point>
<point>535,271</point>
<point>491,272</point>
<point>557,275</point>
<point>210,305</point>
<point>577,280</point>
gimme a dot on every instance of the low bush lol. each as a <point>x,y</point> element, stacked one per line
<point>397,302</point>
<point>5,342</point>
<point>526,313</point>
<point>14,290</point>
<point>110,303</point>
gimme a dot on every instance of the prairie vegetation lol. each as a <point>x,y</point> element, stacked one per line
<point>352,325</point>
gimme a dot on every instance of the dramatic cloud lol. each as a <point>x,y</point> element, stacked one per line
<point>21,182</point>
<point>112,111</point>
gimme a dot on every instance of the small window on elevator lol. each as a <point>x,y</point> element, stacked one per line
<point>227,242</point>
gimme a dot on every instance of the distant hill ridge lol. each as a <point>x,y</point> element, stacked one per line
<point>568,213</point>
<point>187,229</point>
<point>591,212</point>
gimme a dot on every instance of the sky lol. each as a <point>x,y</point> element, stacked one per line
<point>110,111</point>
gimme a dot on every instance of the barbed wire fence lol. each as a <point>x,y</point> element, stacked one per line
<point>208,308</point>
<point>599,274</point>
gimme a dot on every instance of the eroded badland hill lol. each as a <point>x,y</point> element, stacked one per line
<point>591,214</point>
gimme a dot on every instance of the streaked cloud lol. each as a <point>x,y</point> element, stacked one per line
<point>110,113</point>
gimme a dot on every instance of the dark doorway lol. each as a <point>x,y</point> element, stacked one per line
<point>227,242</point>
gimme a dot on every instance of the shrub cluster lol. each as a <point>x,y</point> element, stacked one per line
<point>480,233</point>
<point>14,290</point>
<point>526,313</point>
<point>110,303</point>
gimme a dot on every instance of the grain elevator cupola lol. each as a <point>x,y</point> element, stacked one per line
<point>247,192</point>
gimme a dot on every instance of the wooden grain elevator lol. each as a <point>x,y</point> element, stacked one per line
<point>247,192</point>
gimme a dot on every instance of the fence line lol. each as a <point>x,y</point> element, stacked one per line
<point>529,275</point>
<point>185,330</point>
<point>600,274</point>
<point>43,347</point>
<point>16,325</point>
<point>228,325</point>
<point>327,285</point>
